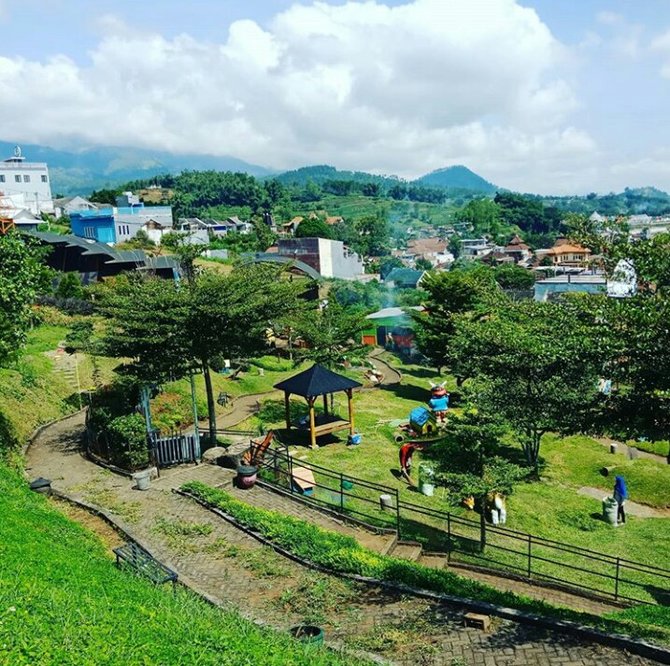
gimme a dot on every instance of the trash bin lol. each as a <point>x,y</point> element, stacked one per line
<point>246,476</point>
<point>143,479</point>
<point>610,510</point>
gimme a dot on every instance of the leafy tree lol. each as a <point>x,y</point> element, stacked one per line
<point>536,366</point>
<point>373,235</point>
<point>331,334</point>
<point>455,246</point>
<point>482,215</point>
<point>509,276</point>
<point>450,294</point>
<point>23,277</point>
<point>105,196</point>
<point>387,265</point>
<point>422,264</point>
<point>371,189</point>
<point>471,463</point>
<point>265,237</point>
<point>314,227</point>
<point>70,286</point>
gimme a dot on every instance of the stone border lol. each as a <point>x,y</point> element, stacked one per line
<point>633,645</point>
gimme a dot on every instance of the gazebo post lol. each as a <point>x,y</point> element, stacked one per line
<point>312,424</point>
<point>325,403</point>
<point>350,401</point>
<point>287,409</point>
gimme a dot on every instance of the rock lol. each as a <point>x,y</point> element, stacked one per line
<point>212,455</point>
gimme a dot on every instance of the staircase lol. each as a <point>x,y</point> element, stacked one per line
<point>413,552</point>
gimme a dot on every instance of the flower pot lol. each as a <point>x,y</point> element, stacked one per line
<point>246,476</point>
<point>143,479</point>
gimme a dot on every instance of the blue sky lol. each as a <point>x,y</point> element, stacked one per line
<point>535,95</point>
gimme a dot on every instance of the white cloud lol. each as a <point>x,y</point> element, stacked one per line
<point>362,85</point>
<point>661,44</point>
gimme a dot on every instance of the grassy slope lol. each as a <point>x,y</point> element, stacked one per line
<point>33,391</point>
<point>62,601</point>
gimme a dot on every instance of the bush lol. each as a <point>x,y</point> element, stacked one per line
<point>127,439</point>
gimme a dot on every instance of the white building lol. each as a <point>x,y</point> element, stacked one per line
<point>28,178</point>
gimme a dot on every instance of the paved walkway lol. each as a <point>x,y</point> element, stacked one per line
<point>234,569</point>
<point>632,508</point>
<point>632,452</point>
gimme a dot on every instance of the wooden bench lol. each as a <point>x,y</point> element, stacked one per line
<point>331,426</point>
<point>137,559</point>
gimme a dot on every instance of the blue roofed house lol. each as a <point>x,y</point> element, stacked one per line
<point>96,225</point>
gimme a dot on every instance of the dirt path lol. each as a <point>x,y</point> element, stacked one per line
<point>226,564</point>
<point>392,377</point>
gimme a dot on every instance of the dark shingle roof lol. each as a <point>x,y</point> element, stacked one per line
<point>317,380</point>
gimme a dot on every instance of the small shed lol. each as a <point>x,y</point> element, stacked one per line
<point>312,383</point>
<point>391,328</point>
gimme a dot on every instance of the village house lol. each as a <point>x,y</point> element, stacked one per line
<point>566,254</point>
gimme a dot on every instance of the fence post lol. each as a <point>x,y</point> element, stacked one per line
<point>397,512</point>
<point>448,538</point>
<point>530,554</point>
<point>616,579</point>
<point>341,492</point>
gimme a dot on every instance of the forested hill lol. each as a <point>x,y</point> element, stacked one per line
<point>451,178</point>
<point>459,177</point>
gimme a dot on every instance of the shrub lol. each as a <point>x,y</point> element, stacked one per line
<point>127,439</point>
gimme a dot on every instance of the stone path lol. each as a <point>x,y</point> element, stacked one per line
<point>392,377</point>
<point>632,508</point>
<point>235,570</point>
<point>632,452</point>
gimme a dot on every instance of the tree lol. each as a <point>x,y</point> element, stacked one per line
<point>373,235</point>
<point>483,215</point>
<point>455,246</point>
<point>471,463</point>
<point>23,277</point>
<point>70,286</point>
<point>423,264</point>
<point>314,227</point>
<point>330,333</point>
<point>535,364</point>
<point>450,294</point>
<point>509,276</point>
<point>229,315</point>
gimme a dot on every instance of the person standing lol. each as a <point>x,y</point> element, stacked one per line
<point>620,495</point>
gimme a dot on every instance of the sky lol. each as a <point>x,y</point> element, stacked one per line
<point>539,96</point>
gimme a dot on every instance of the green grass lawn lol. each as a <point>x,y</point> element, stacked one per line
<point>551,509</point>
<point>63,602</point>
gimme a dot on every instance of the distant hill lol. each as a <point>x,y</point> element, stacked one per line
<point>88,169</point>
<point>457,177</point>
<point>321,173</point>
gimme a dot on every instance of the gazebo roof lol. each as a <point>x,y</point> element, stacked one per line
<point>316,380</point>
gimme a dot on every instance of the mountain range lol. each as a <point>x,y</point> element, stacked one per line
<point>84,170</point>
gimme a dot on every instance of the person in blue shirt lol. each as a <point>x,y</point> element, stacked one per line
<point>620,495</point>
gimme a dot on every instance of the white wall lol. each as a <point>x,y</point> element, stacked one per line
<point>33,182</point>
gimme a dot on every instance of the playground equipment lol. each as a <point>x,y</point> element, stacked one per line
<point>254,454</point>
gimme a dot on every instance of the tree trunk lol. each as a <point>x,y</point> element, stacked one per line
<point>211,405</point>
<point>531,449</point>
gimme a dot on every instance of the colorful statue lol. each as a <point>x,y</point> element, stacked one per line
<point>439,401</point>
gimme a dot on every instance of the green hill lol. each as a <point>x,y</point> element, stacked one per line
<point>457,177</point>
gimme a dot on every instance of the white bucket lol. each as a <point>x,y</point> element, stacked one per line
<point>385,502</point>
<point>143,478</point>
<point>427,489</point>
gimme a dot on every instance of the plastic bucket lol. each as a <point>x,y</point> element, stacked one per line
<point>386,502</point>
<point>355,439</point>
<point>308,633</point>
<point>427,489</point>
<point>143,479</point>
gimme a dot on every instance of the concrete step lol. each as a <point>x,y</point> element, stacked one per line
<point>379,543</point>
<point>433,560</point>
<point>407,550</point>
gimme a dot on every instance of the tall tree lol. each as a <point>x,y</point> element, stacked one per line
<point>450,294</point>
<point>536,365</point>
<point>23,276</point>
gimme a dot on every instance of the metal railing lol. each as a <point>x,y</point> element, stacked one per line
<point>517,553</point>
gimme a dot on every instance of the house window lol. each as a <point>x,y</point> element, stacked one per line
<point>89,232</point>
<point>44,179</point>
<point>26,179</point>
<point>2,178</point>
<point>17,179</point>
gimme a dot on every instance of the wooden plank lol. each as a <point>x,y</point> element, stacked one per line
<point>304,478</point>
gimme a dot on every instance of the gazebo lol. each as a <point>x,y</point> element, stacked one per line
<point>312,383</point>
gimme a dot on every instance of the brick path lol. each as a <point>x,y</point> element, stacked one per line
<point>236,570</point>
